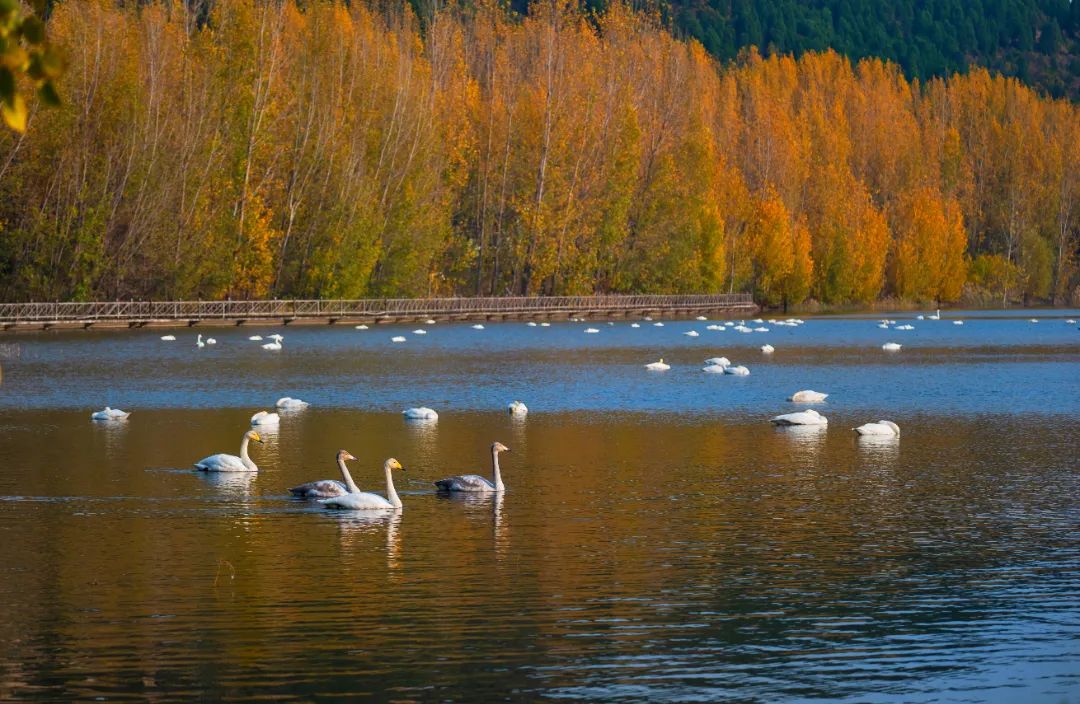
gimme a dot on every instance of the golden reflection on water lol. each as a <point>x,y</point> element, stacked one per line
<point>721,556</point>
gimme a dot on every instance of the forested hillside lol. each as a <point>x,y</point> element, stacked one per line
<point>1034,40</point>
<point>340,151</point>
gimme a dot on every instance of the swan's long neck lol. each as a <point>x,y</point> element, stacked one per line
<point>495,469</point>
<point>244,454</point>
<point>349,483</point>
<point>391,493</point>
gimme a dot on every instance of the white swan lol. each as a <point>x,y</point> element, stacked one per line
<point>647,318</point>
<point>109,414</point>
<point>737,371</point>
<point>1070,321</point>
<point>658,366</point>
<point>474,482</point>
<point>701,317</point>
<point>290,404</point>
<point>635,325</point>
<point>882,427</point>
<point>168,338</point>
<point>742,328</point>
<point>591,331</point>
<point>325,488</point>
<point>883,326</point>
<point>419,331</point>
<point>199,342</point>
<point>807,396</point>
<point>211,341</point>
<point>517,408</point>
<point>357,500</point>
<point>920,317</point>
<point>1034,320</point>
<point>714,368</point>
<point>807,417</point>
<point>420,413</point>
<point>958,322</point>
<point>264,418</point>
<point>714,326</point>
<point>691,333</point>
<point>891,347</point>
<point>658,325</point>
<point>545,325</point>
<point>761,329</point>
<point>429,321</point>
<point>360,327</point>
<point>935,316</point>
<point>768,349</point>
<point>478,326</point>
<point>231,463</point>
<point>255,338</point>
<point>904,327</point>
<point>717,361</point>
<point>397,338</point>
<point>272,346</point>
<point>531,324</point>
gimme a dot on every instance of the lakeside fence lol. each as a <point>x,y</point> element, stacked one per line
<point>192,312</point>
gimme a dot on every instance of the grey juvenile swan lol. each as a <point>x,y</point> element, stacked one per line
<point>474,482</point>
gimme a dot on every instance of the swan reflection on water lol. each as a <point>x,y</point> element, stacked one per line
<point>424,433</point>
<point>355,526</point>
<point>481,505</point>
<point>806,438</point>
<point>883,448</point>
<point>233,485</point>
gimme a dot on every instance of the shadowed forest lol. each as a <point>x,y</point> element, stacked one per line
<point>346,151</point>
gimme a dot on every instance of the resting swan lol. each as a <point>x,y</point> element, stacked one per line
<point>882,427</point>
<point>264,418</point>
<point>357,500</point>
<point>290,404</point>
<point>421,413</point>
<point>808,396</point>
<point>474,482</point>
<point>109,414</point>
<point>231,463</point>
<point>326,488</point>
<point>660,366</point>
<point>809,417</point>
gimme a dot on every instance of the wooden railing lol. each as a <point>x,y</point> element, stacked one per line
<point>372,307</point>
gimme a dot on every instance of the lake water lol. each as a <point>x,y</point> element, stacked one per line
<point>659,539</point>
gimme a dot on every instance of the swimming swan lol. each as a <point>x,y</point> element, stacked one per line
<point>658,366</point>
<point>255,338</point>
<point>691,333</point>
<point>808,417</point>
<point>357,500</point>
<point>882,427</point>
<point>168,338</point>
<point>474,482</point>
<point>397,338</point>
<point>326,488</point>
<point>272,346</point>
<point>891,347</point>
<point>264,418</point>
<point>737,371</point>
<point>291,404</point>
<point>199,342</point>
<point>109,414</point>
<point>807,396</point>
<point>421,413</point>
<point>231,463</point>
<point>517,408</point>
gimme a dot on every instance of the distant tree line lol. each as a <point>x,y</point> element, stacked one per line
<point>255,149</point>
<point>1034,40</point>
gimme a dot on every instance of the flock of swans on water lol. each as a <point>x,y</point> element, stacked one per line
<point>347,495</point>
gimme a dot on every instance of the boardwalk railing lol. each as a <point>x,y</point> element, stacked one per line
<point>145,311</point>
